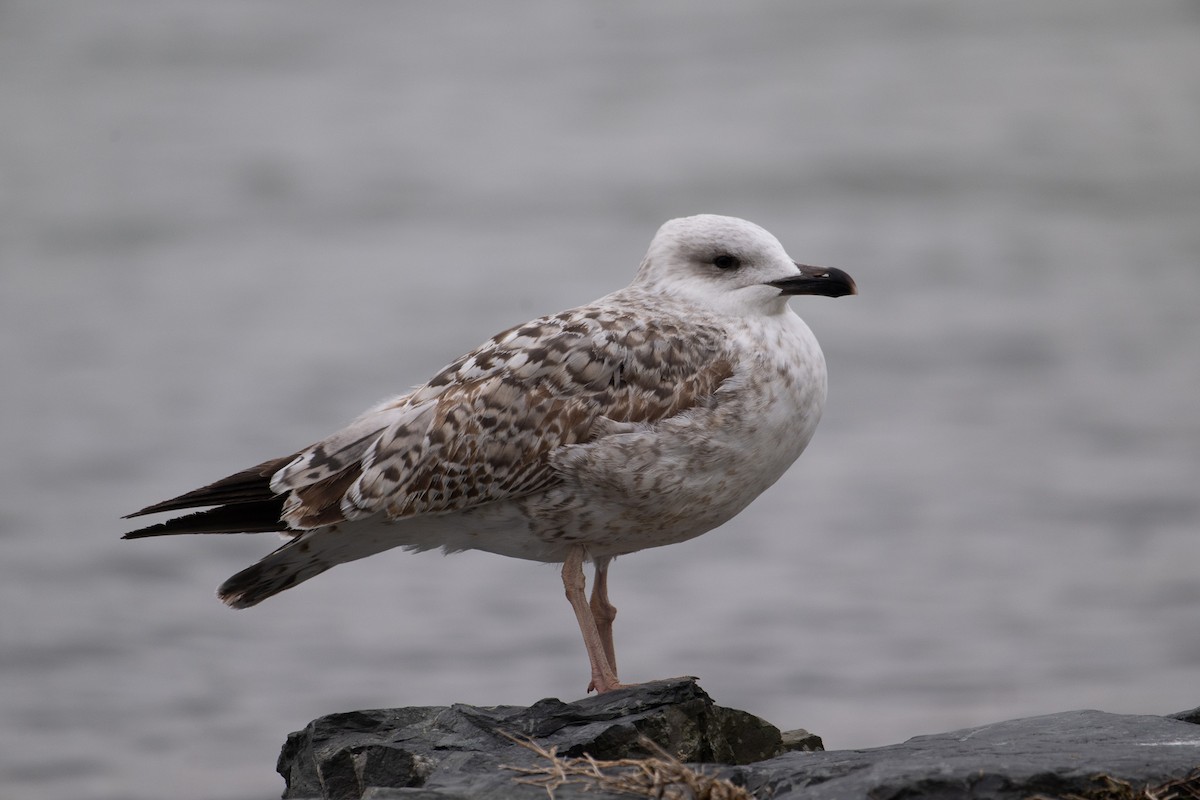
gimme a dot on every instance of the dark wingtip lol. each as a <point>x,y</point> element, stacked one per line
<point>144,533</point>
<point>174,504</point>
<point>257,517</point>
<point>147,510</point>
<point>248,486</point>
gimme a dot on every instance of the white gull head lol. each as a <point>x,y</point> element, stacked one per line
<point>730,266</point>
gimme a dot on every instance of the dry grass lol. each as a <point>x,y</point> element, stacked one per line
<point>1110,788</point>
<point>662,776</point>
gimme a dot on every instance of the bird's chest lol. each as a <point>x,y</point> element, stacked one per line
<point>687,474</point>
<point>773,407</point>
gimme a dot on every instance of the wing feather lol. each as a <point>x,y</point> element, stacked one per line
<point>260,516</point>
<point>344,449</point>
<point>484,428</point>
<point>554,382</point>
<point>248,486</point>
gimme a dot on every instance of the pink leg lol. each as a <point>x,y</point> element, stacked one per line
<point>604,678</point>
<point>603,611</point>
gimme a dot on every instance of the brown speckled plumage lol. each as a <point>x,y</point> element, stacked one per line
<point>645,418</point>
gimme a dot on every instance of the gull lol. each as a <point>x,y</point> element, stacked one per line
<point>645,418</point>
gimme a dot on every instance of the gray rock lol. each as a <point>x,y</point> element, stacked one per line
<point>802,741</point>
<point>1188,716</point>
<point>1050,755</point>
<point>458,751</point>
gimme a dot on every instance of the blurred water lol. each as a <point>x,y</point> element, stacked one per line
<point>226,228</point>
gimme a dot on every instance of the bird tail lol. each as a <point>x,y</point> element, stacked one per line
<point>294,563</point>
<point>308,555</point>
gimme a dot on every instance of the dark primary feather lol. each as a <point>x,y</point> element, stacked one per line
<point>244,500</point>
<point>245,517</point>
<point>248,486</point>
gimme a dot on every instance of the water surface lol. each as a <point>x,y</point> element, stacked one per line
<point>228,228</point>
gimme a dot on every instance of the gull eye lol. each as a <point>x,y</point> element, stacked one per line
<point>726,261</point>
